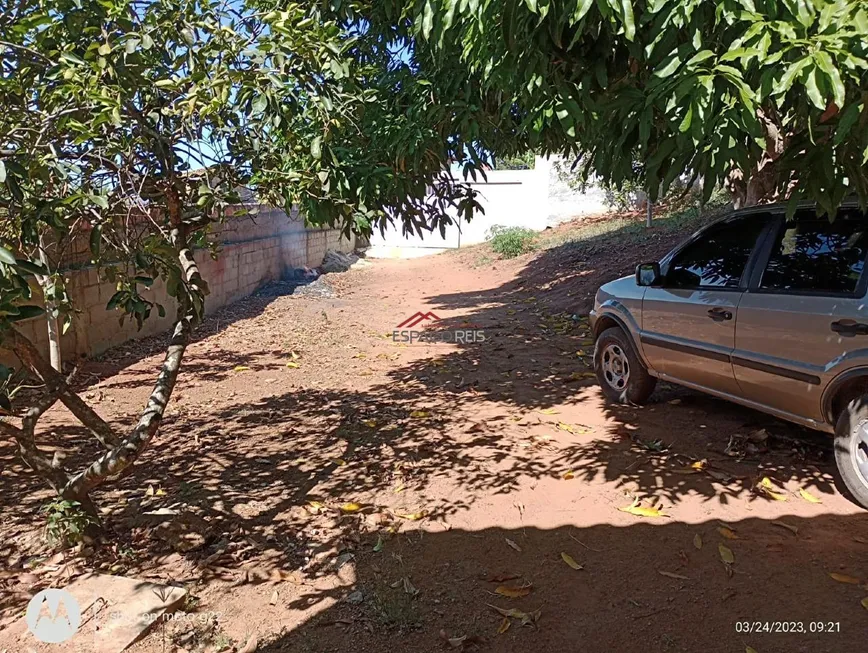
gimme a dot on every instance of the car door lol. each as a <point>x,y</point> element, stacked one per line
<point>688,323</point>
<point>799,323</point>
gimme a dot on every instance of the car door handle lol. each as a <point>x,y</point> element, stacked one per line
<point>719,314</point>
<point>850,328</point>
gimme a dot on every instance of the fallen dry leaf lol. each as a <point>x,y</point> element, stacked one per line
<point>669,574</point>
<point>865,603</point>
<point>570,561</point>
<point>240,368</point>
<point>525,618</point>
<point>513,544</point>
<point>351,507</point>
<point>768,489</point>
<point>275,597</point>
<point>412,516</point>
<point>793,529</point>
<point>502,578</point>
<point>640,511</point>
<point>293,365</point>
<point>514,592</point>
<point>506,623</point>
<point>314,507</point>
<point>568,475</point>
<point>728,533</point>
<point>379,545</point>
<point>726,554</point>
<point>748,649</point>
<point>844,578</point>
<point>370,423</point>
<point>807,496</point>
<point>419,414</point>
<point>697,541</point>
<point>549,411</point>
<point>408,587</point>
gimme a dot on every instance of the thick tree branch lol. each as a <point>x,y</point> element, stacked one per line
<point>31,455</point>
<point>118,459</point>
<point>56,385</point>
<point>122,456</point>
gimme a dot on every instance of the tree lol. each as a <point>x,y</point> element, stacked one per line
<point>134,124</point>
<point>768,96</point>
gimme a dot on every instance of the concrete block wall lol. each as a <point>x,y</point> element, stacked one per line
<point>254,251</point>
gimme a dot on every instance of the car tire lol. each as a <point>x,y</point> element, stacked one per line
<point>851,449</point>
<point>622,376</point>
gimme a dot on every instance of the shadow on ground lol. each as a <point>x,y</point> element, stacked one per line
<point>619,601</point>
<point>302,479</point>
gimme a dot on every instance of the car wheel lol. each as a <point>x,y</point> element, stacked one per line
<point>622,376</point>
<point>851,449</point>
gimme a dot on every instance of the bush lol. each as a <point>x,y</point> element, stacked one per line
<point>66,523</point>
<point>510,242</point>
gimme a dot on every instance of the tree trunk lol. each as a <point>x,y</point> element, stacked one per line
<point>121,453</point>
<point>760,183</point>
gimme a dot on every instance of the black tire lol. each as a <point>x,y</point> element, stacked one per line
<point>636,385</point>
<point>851,449</point>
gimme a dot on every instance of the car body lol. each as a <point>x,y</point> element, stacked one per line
<point>754,308</point>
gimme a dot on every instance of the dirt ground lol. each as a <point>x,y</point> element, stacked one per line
<point>350,493</point>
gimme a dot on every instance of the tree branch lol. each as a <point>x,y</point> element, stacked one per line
<point>34,458</point>
<point>122,456</point>
<point>56,385</point>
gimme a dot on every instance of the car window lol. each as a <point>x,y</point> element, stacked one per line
<point>718,257</point>
<point>815,254</point>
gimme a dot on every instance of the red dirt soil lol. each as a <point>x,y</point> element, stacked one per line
<point>468,464</point>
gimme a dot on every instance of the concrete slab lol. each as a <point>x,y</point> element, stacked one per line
<point>115,612</point>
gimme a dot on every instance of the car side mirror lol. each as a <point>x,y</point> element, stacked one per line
<point>648,274</point>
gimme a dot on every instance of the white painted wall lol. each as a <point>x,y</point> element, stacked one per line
<point>534,199</point>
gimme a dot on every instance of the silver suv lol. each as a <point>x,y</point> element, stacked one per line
<point>767,312</point>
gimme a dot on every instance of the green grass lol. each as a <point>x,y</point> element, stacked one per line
<point>631,229</point>
<point>510,242</point>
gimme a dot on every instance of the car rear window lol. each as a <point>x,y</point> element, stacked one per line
<point>814,254</point>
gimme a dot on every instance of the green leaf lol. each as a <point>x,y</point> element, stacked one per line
<point>532,5</point>
<point>260,102</point>
<point>629,23</point>
<point>6,257</point>
<point>100,200</point>
<point>581,9</point>
<point>813,88</point>
<point>131,45</point>
<point>790,75</point>
<point>685,122</point>
<point>105,49</point>
<point>699,57</point>
<point>2,171</point>
<point>846,120</point>
<point>828,66</point>
<point>669,66</point>
<point>316,148</point>
<point>27,312</point>
<point>427,19</point>
<point>147,42</point>
<point>31,266</point>
<point>68,57</point>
